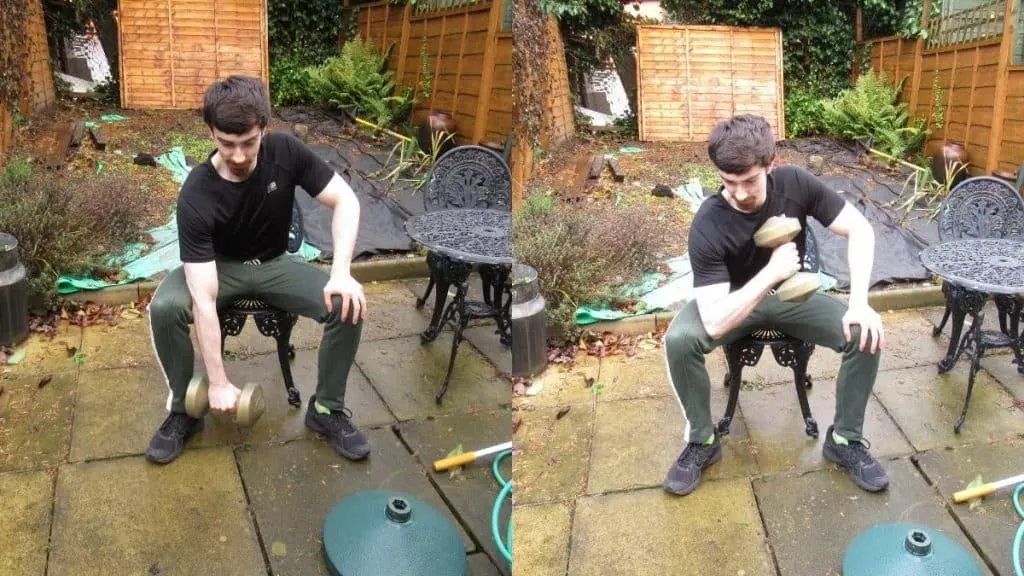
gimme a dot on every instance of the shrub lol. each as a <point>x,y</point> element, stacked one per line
<point>581,255</point>
<point>871,110</point>
<point>359,79</point>
<point>290,82</point>
<point>805,112</point>
<point>61,230</point>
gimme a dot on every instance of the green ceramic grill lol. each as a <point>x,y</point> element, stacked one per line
<point>380,532</point>
<point>901,549</point>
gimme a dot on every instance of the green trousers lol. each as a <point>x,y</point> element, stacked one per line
<point>285,282</point>
<point>819,320</point>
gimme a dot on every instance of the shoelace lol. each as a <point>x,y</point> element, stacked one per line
<point>341,419</point>
<point>177,424</point>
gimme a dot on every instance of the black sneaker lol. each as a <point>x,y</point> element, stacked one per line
<point>338,427</point>
<point>865,470</point>
<point>684,476</point>
<point>170,438</point>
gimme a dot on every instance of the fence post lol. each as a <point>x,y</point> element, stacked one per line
<point>403,47</point>
<point>487,78</point>
<point>1002,75</point>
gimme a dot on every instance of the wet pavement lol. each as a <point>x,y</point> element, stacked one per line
<point>77,413</point>
<point>588,497</point>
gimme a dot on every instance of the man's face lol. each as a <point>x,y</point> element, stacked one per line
<point>238,151</point>
<point>746,192</point>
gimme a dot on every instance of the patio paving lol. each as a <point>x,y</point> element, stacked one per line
<point>80,498</point>
<point>589,501</point>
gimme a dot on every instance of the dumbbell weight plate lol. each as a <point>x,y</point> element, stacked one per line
<point>776,231</point>
<point>250,405</point>
<point>799,287</point>
<point>197,398</point>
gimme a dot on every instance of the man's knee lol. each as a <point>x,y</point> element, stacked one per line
<point>170,306</point>
<point>686,334</point>
<point>338,315</point>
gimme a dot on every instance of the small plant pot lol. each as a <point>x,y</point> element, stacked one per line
<point>440,123</point>
<point>951,160</point>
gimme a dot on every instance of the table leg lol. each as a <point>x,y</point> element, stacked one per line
<point>957,296</point>
<point>974,305</point>
<point>456,313</point>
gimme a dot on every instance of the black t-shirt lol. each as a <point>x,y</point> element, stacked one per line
<point>721,241</point>
<point>220,219</point>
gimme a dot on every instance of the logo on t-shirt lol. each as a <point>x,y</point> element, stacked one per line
<point>272,187</point>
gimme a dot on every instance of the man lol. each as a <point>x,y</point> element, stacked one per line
<point>233,213</point>
<point>734,283</point>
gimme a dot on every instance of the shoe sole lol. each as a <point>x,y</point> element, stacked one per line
<point>312,424</point>
<point>714,460</point>
<point>831,457</point>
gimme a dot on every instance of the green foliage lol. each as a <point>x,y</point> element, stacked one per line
<point>13,16</point>
<point>67,230</point>
<point>306,31</point>
<point>581,256</point>
<point>871,111</point>
<point>289,81</point>
<point>804,113</point>
<point>358,80</point>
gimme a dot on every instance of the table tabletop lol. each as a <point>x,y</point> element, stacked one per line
<point>989,265</point>
<point>478,236</point>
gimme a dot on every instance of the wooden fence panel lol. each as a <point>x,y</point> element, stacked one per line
<point>469,60</point>
<point>171,50</point>
<point>1011,154</point>
<point>38,91</point>
<point>691,77</point>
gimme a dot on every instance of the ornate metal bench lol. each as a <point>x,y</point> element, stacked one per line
<point>979,207</point>
<point>271,322</point>
<point>789,352</point>
<point>468,176</point>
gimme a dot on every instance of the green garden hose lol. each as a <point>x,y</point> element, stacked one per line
<point>1019,538</point>
<point>504,546</point>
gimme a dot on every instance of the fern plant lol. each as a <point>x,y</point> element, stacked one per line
<point>358,80</point>
<point>871,111</point>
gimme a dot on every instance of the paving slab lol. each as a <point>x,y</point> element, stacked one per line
<point>127,516</point>
<point>128,343</point>
<point>552,456</point>
<point>560,385</point>
<point>35,423</point>
<point>813,517</point>
<point>306,334</point>
<point>992,521</point>
<point>649,532</point>
<point>293,487</point>
<point>541,538</point>
<point>25,521</point>
<point>488,342</point>
<point>119,410</point>
<point>1005,371</point>
<point>926,406</point>
<point>473,489</point>
<point>991,322</point>
<point>646,375</point>
<point>282,421</point>
<point>778,433</point>
<point>636,441</point>
<point>409,375</point>
<point>48,354</point>
<point>480,565</point>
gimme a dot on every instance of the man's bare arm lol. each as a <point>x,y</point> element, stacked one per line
<point>202,284</point>
<point>338,196</point>
<point>721,310</point>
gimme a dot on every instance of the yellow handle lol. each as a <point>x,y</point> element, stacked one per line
<point>453,461</point>
<point>972,493</point>
<point>391,132</point>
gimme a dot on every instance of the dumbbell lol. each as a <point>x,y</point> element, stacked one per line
<point>775,232</point>
<point>248,410</point>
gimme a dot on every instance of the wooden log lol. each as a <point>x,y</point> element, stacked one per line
<point>596,164</point>
<point>78,133</point>
<point>59,155</point>
<point>617,174</point>
<point>99,138</point>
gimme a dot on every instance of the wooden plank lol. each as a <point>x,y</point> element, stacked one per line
<point>999,103</point>
<point>617,173</point>
<point>78,133</point>
<point>59,154</point>
<point>99,138</point>
<point>403,47</point>
<point>494,23</point>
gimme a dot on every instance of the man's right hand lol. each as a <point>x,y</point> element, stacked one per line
<point>223,397</point>
<point>785,261</point>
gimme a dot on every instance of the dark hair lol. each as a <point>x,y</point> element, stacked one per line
<point>740,143</point>
<point>236,105</point>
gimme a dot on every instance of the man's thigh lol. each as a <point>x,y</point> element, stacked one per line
<point>293,285</point>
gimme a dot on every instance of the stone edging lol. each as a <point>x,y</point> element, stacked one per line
<point>881,301</point>
<point>370,271</point>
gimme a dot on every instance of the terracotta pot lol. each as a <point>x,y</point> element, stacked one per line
<point>442,122</point>
<point>952,157</point>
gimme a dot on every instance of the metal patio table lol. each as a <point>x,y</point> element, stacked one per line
<point>980,267</point>
<point>468,238</point>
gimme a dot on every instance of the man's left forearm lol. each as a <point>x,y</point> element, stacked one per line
<point>861,257</point>
<point>344,230</point>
